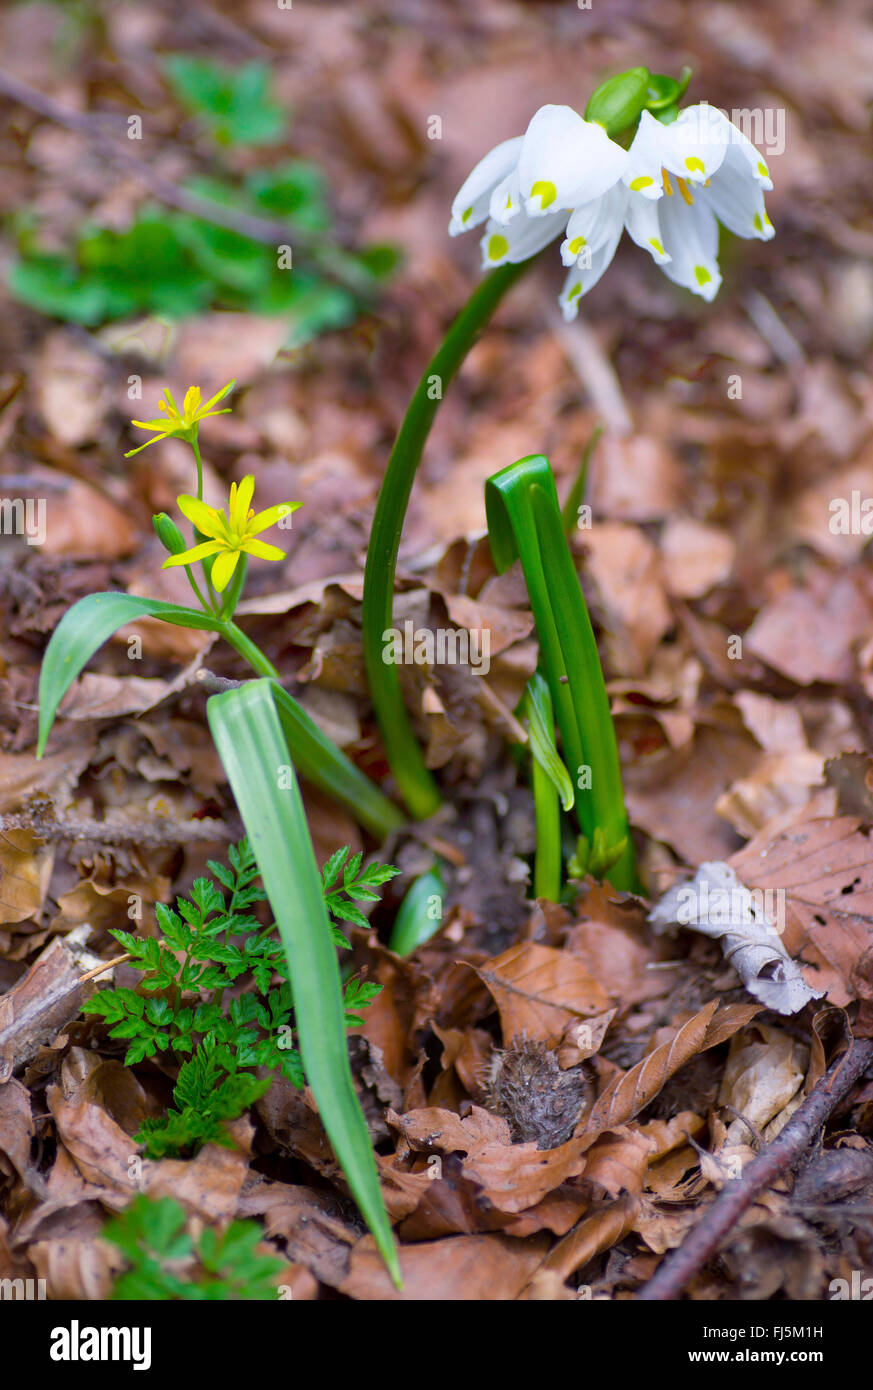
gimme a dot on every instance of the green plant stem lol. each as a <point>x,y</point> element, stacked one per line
<point>196,447</point>
<point>247,649</point>
<point>234,589</point>
<point>547,859</point>
<point>414,781</point>
<point>524,520</point>
<point>193,582</point>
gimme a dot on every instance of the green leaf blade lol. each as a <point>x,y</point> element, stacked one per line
<point>248,735</point>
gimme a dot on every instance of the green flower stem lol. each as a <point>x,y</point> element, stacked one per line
<point>193,582</point>
<point>416,785</point>
<point>234,589</point>
<point>524,521</point>
<point>196,447</point>
<point>246,648</point>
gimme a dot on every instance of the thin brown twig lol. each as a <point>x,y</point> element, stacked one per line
<point>736,1196</point>
<point>246,224</point>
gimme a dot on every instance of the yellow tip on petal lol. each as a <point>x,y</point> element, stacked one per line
<point>695,165</point>
<point>545,191</point>
<point>702,275</point>
<point>497,247</point>
<point>642,182</point>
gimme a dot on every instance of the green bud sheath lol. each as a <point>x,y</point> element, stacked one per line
<point>618,102</point>
<point>168,534</point>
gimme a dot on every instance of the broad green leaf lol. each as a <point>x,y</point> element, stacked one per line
<point>416,921</point>
<point>248,735</point>
<point>84,628</point>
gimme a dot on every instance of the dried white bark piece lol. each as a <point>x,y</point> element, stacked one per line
<point>748,922</point>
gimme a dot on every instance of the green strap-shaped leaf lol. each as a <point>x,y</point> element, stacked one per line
<point>84,628</point>
<point>248,735</point>
<point>524,522</point>
<point>326,767</point>
<point>87,625</point>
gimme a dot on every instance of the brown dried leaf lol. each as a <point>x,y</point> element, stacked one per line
<point>628,1094</point>
<point>539,991</point>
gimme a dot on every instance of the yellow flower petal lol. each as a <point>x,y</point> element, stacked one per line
<point>191,403</point>
<point>262,550</point>
<point>138,450</point>
<point>171,403</point>
<point>222,570</point>
<point>206,519</point>
<point>216,398</point>
<point>270,517</point>
<point>240,510</point>
<point>159,424</point>
<point>197,552</point>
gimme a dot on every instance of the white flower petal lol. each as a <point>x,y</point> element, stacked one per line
<point>471,204</point>
<point>582,279</point>
<point>737,199</point>
<point>695,144</point>
<point>592,225</point>
<point>566,161</point>
<point>691,240</point>
<point>506,199</point>
<point>645,158</point>
<point>519,239</point>
<point>740,143</point>
<point>643,224</point>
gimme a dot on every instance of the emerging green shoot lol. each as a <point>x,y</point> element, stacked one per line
<point>524,521</point>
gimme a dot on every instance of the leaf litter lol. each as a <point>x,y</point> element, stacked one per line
<point>557,1094</point>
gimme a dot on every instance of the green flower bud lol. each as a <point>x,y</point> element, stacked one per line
<point>666,92</point>
<point>619,102</point>
<point>168,534</point>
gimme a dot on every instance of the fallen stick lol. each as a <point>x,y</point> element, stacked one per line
<point>785,1151</point>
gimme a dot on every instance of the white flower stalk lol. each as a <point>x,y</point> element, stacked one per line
<point>669,191</point>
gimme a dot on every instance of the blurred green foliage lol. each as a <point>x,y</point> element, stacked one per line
<point>173,264</point>
<point>233,104</point>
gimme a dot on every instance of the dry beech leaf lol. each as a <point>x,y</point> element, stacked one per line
<point>825,868</point>
<point>25,871</point>
<point>764,1071</point>
<point>539,991</point>
<point>716,904</point>
<point>628,1094</point>
<point>597,1232</point>
<point>492,1268</point>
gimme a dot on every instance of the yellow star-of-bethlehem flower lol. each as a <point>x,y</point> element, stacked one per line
<point>230,533</point>
<point>184,422</point>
